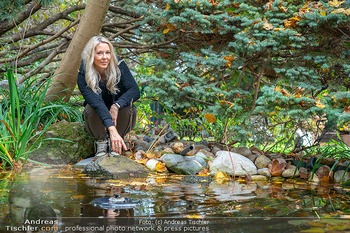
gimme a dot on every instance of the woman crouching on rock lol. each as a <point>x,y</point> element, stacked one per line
<point>109,91</point>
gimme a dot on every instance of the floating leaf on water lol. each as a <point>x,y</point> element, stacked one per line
<point>79,196</point>
<point>194,216</point>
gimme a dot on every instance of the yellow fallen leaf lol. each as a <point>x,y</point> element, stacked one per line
<point>221,175</point>
<point>167,7</point>
<point>160,167</point>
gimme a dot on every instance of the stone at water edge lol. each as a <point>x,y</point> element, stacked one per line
<point>60,152</point>
<point>264,172</point>
<point>262,162</point>
<point>117,167</point>
<point>241,164</point>
<point>187,165</point>
<point>245,151</point>
<point>290,172</point>
<point>338,177</point>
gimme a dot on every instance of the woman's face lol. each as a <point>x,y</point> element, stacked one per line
<point>102,57</point>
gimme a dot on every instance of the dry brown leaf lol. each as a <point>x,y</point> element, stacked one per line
<point>276,168</point>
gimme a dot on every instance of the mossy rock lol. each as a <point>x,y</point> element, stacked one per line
<point>117,167</point>
<point>81,144</point>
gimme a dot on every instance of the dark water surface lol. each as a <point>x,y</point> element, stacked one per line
<point>168,204</point>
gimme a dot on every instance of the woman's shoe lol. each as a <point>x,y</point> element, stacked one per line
<point>101,148</point>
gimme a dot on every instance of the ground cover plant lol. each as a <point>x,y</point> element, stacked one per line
<point>25,117</point>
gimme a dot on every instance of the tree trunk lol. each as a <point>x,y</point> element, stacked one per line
<point>65,77</point>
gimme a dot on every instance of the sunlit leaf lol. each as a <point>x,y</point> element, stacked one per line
<point>335,3</point>
<point>267,25</point>
<point>160,167</point>
<point>221,175</point>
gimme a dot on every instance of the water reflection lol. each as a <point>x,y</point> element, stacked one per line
<point>59,193</point>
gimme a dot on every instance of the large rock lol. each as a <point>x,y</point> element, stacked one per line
<point>62,152</point>
<point>187,165</point>
<point>241,164</point>
<point>117,167</point>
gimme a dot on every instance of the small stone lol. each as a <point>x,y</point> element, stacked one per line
<point>262,162</point>
<point>206,153</point>
<point>291,171</point>
<point>264,172</point>
<point>259,178</point>
<point>323,173</point>
<point>325,160</point>
<point>304,173</point>
<point>338,177</point>
<point>169,150</point>
<point>245,151</point>
<point>274,156</point>
<point>215,149</point>
<point>178,147</point>
<point>127,154</point>
<point>138,155</point>
<point>253,157</point>
<point>141,145</point>
<point>313,178</point>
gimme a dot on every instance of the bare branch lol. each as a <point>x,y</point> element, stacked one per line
<point>43,63</point>
<point>38,30</point>
<point>40,43</point>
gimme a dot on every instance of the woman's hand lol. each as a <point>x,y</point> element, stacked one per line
<point>114,113</point>
<point>117,141</point>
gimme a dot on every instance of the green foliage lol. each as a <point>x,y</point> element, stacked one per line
<point>294,51</point>
<point>337,150</point>
<point>24,118</point>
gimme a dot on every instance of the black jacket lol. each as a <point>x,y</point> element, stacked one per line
<point>102,102</point>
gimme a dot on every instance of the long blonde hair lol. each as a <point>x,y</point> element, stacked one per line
<point>112,73</point>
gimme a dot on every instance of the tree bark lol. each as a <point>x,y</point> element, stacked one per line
<point>65,77</point>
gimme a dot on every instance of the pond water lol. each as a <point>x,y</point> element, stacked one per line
<point>168,204</point>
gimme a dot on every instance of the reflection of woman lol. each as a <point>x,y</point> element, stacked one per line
<point>109,90</point>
